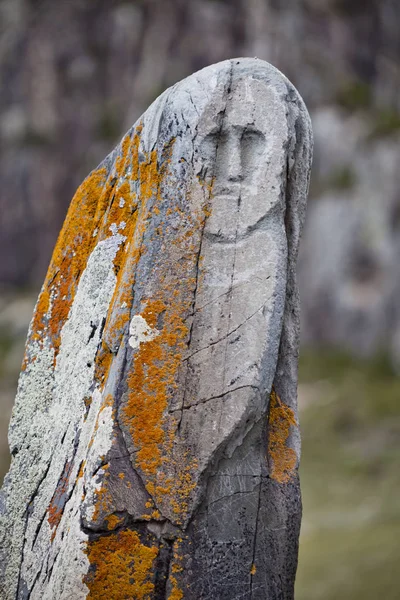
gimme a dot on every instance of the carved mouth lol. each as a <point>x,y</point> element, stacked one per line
<point>232,191</point>
<point>230,197</point>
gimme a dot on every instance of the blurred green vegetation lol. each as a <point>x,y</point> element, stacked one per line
<point>385,123</point>
<point>6,343</point>
<point>15,314</point>
<point>357,95</point>
<point>354,95</point>
<point>8,386</point>
<point>350,476</point>
<point>109,124</point>
<point>342,179</point>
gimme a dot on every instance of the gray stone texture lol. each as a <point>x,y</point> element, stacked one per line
<point>154,437</point>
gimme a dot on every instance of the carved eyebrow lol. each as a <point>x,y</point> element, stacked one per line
<point>253,131</point>
<point>246,131</point>
<point>214,132</point>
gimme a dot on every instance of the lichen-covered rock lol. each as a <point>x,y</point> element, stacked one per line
<point>154,437</point>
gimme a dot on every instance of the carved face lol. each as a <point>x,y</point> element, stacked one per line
<point>240,156</point>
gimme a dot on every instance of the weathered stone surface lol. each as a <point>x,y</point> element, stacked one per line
<point>154,437</point>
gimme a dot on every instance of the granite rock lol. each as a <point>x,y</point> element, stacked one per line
<point>155,439</point>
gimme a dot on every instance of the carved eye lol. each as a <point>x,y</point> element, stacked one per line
<point>252,147</point>
<point>254,137</point>
<point>208,152</point>
<point>209,145</point>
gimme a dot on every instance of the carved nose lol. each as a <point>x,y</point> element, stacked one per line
<point>234,162</point>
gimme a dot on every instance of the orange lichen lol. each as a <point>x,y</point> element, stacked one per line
<point>123,567</point>
<point>253,569</point>
<point>124,191</point>
<point>56,507</point>
<point>156,361</point>
<point>127,255</point>
<point>113,521</point>
<point>121,160</point>
<point>283,459</point>
<point>73,248</point>
<point>150,384</point>
<point>135,153</point>
<point>95,207</point>
<point>102,364</point>
<point>176,568</point>
<point>87,401</point>
<point>149,177</point>
<point>118,560</point>
<point>103,501</point>
<point>153,376</point>
<point>154,371</point>
<point>81,470</point>
<point>40,315</point>
<point>184,485</point>
<point>176,593</point>
<point>69,259</point>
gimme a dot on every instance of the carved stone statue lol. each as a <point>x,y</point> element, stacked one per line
<point>154,437</point>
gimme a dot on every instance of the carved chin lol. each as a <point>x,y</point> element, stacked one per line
<point>232,217</point>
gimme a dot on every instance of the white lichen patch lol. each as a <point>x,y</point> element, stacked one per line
<point>70,541</point>
<point>100,444</point>
<point>29,427</point>
<point>68,559</point>
<point>114,227</point>
<point>122,203</point>
<point>140,331</point>
<point>59,419</point>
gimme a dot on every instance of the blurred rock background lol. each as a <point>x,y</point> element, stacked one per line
<point>74,76</point>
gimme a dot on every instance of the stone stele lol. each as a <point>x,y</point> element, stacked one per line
<point>154,438</point>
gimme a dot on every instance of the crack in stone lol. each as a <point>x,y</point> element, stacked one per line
<point>255,538</point>
<point>33,585</point>
<point>38,527</point>
<point>200,247</point>
<point>193,305</point>
<point>262,279</point>
<point>228,334</point>
<point>191,101</point>
<point>163,569</point>
<point>28,512</point>
<point>229,496</point>
<point>205,400</point>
